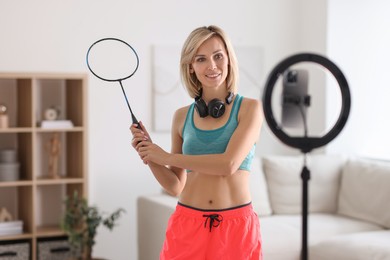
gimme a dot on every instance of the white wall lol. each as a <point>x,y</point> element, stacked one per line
<point>299,28</point>
<point>360,44</point>
<point>50,35</point>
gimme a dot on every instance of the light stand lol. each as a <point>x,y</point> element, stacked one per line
<point>306,143</point>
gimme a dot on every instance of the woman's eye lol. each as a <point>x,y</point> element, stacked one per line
<point>219,56</point>
<point>200,59</point>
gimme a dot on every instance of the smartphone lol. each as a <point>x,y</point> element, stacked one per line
<point>295,98</point>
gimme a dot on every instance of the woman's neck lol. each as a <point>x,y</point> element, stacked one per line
<point>210,94</point>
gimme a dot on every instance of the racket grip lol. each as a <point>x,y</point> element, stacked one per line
<point>135,121</point>
<point>138,126</point>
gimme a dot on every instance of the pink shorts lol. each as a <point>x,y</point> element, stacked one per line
<point>228,234</point>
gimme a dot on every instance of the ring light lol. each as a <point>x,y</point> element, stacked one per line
<point>306,144</point>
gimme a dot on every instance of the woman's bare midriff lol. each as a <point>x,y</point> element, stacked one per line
<point>205,191</point>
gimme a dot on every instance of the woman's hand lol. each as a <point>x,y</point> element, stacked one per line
<point>151,152</point>
<point>139,135</point>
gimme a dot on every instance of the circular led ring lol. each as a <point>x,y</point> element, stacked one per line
<point>306,144</point>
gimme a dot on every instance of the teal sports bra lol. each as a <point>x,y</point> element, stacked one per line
<point>197,141</point>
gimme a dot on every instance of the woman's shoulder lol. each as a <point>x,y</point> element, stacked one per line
<point>180,116</point>
<point>250,106</point>
<point>181,112</point>
<point>250,103</point>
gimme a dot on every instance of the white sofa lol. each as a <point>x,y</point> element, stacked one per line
<point>349,205</point>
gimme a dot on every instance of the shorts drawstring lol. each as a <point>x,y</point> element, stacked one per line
<point>213,219</point>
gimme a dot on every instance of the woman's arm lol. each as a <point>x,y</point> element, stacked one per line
<point>171,178</point>
<point>244,137</point>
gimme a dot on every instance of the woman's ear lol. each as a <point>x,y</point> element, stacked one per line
<point>191,69</point>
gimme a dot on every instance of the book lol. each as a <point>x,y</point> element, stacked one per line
<point>11,227</point>
<point>56,124</point>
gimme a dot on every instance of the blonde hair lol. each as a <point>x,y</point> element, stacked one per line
<point>196,38</point>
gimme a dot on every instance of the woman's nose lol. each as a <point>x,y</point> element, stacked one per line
<point>212,65</point>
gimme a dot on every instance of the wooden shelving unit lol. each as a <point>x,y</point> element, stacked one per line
<point>36,198</point>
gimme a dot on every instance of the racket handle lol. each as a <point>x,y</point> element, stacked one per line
<point>135,121</point>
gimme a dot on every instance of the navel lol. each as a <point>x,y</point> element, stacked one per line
<point>210,202</point>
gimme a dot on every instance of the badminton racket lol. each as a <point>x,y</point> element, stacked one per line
<point>113,60</point>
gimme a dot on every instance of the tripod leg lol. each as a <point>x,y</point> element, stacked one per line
<point>305,175</point>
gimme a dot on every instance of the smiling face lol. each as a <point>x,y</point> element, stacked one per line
<point>210,63</point>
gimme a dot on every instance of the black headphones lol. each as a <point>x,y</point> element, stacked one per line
<point>216,107</point>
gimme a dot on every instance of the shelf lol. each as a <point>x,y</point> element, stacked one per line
<point>49,231</point>
<point>16,237</point>
<point>47,130</point>
<point>15,183</point>
<point>61,180</point>
<point>37,198</point>
<point>16,130</point>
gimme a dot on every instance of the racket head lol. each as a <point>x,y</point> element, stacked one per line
<point>112,59</point>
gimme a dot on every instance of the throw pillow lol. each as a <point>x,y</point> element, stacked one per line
<point>283,175</point>
<point>365,191</point>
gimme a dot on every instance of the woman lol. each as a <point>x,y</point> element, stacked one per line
<point>209,163</point>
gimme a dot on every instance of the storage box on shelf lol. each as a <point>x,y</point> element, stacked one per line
<point>56,249</point>
<point>52,160</point>
<point>15,250</point>
<point>9,165</point>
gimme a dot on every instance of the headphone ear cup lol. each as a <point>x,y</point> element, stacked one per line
<point>201,107</point>
<point>229,98</point>
<point>216,108</point>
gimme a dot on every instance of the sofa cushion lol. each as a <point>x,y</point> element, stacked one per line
<point>322,226</point>
<point>285,184</point>
<point>361,246</point>
<point>280,239</point>
<point>365,190</point>
<point>259,191</point>
<point>282,234</point>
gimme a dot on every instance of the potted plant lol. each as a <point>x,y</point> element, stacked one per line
<point>81,221</point>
